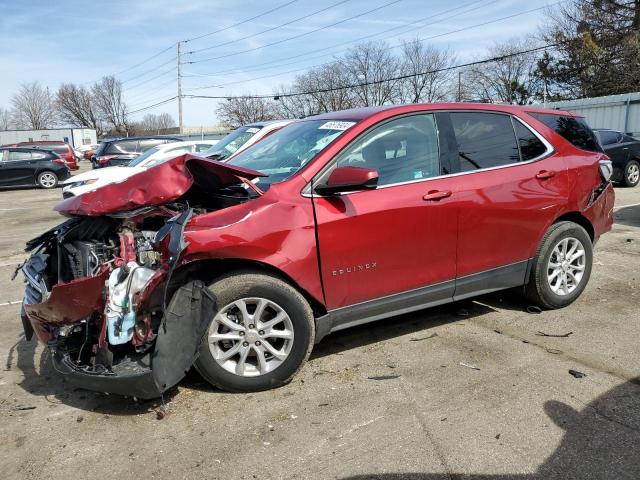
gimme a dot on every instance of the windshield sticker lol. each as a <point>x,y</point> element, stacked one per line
<point>253,130</point>
<point>336,125</point>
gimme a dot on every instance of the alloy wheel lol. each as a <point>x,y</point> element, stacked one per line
<point>566,266</point>
<point>633,173</point>
<point>251,336</point>
<point>47,180</point>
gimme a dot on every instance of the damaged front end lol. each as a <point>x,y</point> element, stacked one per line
<point>98,290</point>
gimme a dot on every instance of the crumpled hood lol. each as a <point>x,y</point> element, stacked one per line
<point>158,185</point>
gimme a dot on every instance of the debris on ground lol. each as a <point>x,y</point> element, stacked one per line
<point>498,331</point>
<point>577,374</point>
<point>384,377</point>
<point>423,338</point>
<point>161,412</point>
<point>554,351</point>
<point>498,437</point>
<point>555,335</point>
<point>391,364</point>
<point>79,419</point>
<point>534,309</point>
<point>469,366</point>
<point>27,407</point>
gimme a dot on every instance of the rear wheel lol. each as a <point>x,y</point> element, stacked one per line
<point>260,336</point>
<point>47,179</point>
<point>631,173</point>
<point>562,266</point>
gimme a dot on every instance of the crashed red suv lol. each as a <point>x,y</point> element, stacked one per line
<point>239,268</point>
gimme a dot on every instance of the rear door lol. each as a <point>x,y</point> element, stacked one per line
<point>511,187</point>
<point>397,238</point>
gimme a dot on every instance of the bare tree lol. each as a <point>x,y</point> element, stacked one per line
<point>33,107</point>
<point>165,121</point>
<point>427,81</point>
<point>236,111</point>
<point>511,78</point>
<point>110,103</point>
<point>370,65</point>
<point>6,121</point>
<point>157,123</point>
<point>77,106</point>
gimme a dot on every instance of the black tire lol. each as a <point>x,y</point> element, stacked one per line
<point>631,177</point>
<point>538,290</point>
<point>246,284</point>
<point>47,179</point>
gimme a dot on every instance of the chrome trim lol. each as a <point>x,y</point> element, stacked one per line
<point>550,150</point>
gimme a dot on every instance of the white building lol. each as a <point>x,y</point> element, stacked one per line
<point>73,136</point>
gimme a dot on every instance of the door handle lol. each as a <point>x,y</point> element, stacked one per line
<point>435,195</point>
<point>544,174</point>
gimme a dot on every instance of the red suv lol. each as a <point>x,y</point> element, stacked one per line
<point>336,220</point>
<point>61,148</point>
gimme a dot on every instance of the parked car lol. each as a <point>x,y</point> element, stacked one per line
<point>624,152</point>
<point>63,149</point>
<point>93,179</point>
<point>88,150</point>
<point>242,138</point>
<point>240,267</point>
<point>121,151</point>
<point>21,166</point>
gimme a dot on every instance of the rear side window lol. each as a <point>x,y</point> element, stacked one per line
<point>15,156</point>
<point>530,145</point>
<point>39,155</point>
<point>609,137</point>
<point>147,144</point>
<point>573,129</point>
<point>125,146</point>
<point>484,140</point>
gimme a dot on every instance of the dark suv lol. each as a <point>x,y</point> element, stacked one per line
<point>29,166</point>
<point>240,267</point>
<point>624,152</point>
<point>121,151</point>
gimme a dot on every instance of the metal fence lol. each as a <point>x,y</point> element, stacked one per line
<point>617,112</point>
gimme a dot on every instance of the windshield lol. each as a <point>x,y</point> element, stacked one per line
<point>232,142</point>
<point>283,153</point>
<point>138,160</point>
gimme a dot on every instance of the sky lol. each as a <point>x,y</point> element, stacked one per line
<point>80,41</point>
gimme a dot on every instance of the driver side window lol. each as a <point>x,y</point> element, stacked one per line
<point>401,150</point>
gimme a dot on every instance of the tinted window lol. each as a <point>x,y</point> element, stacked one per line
<point>232,142</point>
<point>607,137</point>
<point>15,156</point>
<point>573,129</point>
<point>39,155</point>
<point>147,144</point>
<point>401,150</point>
<point>124,146</point>
<point>485,140</point>
<point>530,145</point>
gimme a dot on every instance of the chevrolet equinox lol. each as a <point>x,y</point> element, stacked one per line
<point>339,219</point>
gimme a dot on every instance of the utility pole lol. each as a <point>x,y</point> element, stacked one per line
<point>179,91</point>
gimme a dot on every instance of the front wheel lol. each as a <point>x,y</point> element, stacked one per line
<point>47,180</point>
<point>631,174</point>
<point>260,336</point>
<point>562,266</point>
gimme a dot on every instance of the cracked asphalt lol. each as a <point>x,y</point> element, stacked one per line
<point>469,390</point>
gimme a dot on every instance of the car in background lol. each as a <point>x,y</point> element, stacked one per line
<point>121,151</point>
<point>20,166</point>
<point>88,150</point>
<point>63,149</point>
<point>93,179</point>
<point>242,138</point>
<point>624,151</point>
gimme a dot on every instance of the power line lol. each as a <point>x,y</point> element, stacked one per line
<point>376,82</point>
<point>359,39</point>
<point>295,36</point>
<point>240,23</point>
<point>153,106</point>
<point>271,29</point>
<point>419,40</point>
<point>172,59</point>
<point>171,70</point>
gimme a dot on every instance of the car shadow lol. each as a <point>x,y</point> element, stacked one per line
<point>600,442</point>
<point>629,216</point>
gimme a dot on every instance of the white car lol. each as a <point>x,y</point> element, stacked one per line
<point>93,179</point>
<point>242,138</point>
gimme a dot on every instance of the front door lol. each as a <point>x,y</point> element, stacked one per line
<point>401,236</point>
<point>17,168</point>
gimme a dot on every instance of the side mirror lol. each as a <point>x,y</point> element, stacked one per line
<point>348,179</point>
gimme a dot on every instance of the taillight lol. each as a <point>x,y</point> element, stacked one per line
<point>59,161</point>
<point>104,159</point>
<point>606,167</point>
